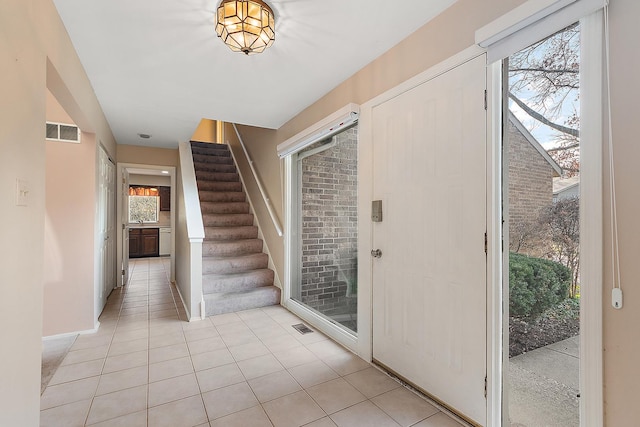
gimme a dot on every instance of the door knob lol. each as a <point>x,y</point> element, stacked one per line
<point>376,253</point>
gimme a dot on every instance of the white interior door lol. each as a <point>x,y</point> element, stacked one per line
<point>106,229</point>
<point>111,278</point>
<point>429,285</point>
<point>124,212</point>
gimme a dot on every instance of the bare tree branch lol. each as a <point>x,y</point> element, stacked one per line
<point>543,119</point>
<point>545,70</point>
<point>568,147</point>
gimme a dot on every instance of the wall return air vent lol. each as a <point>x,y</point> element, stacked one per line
<point>63,132</point>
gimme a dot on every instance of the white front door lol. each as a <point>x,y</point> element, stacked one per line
<point>429,284</point>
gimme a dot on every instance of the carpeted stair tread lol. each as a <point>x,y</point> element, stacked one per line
<point>224,207</point>
<point>209,148</point>
<point>217,248</point>
<point>220,303</point>
<point>226,220</point>
<point>217,176</point>
<point>227,186</point>
<point>212,283</point>
<point>205,158</point>
<point>221,196</point>
<point>214,167</point>
<point>211,152</point>
<point>230,233</point>
<point>208,144</point>
<point>236,264</point>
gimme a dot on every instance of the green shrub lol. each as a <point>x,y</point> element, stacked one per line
<point>536,285</point>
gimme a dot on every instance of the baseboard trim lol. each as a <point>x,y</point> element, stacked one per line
<point>70,334</point>
<point>186,309</point>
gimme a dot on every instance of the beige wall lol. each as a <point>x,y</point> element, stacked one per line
<point>68,286</point>
<point>68,300</point>
<point>206,131</point>
<point>268,173</point>
<point>55,112</point>
<point>35,54</point>
<point>448,34</point>
<point>22,116</point>
<point>183,253</point>
<point>621,336</point>
<point>147,155</point>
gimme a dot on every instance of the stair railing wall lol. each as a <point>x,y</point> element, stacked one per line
<point>263,193</point>
<point>276,279</point>
<point>189,237</point>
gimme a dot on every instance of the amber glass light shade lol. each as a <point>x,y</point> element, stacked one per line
<point>246,26</point>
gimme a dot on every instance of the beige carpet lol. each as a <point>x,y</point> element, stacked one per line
<point>53,351</point>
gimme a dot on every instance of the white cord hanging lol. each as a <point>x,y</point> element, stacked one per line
<point>615,254</point>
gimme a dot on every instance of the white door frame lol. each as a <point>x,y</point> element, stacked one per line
<point>591,223</point>
<point>495,268</point>
<point>292,255</point>
<point>172,175</point>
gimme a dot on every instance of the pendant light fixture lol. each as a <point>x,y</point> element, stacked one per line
<point>246,26</point>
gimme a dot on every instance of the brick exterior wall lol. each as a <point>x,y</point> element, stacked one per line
<point>329,227</point>
<point>530,191</point>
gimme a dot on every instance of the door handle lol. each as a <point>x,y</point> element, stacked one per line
<point>376,253</point>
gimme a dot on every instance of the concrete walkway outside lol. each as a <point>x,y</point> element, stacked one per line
<point>544,385</point>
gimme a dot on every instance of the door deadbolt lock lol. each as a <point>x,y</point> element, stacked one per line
<point>376,253</point>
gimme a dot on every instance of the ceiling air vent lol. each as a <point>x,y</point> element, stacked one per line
<point>63,132</point>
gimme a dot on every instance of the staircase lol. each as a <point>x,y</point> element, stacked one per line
<point>234,269</point>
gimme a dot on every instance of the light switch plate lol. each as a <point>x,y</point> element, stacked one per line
<point>22,192</point>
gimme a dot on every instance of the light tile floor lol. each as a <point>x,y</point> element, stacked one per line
<point>147,366</point>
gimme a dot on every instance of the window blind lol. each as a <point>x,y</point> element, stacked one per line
<point>326,128</point>
<point>530,22</point>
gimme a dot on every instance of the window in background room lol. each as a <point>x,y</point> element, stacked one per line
<point>144,204</point>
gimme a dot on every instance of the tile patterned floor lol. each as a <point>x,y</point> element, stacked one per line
<point>146,366</point>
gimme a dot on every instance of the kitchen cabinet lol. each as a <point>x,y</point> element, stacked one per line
<point>143,242</point>
<point>165,198</point>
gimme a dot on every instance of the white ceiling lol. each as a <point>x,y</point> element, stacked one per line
<point>157,67</point>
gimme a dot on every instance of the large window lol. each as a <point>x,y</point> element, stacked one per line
<point>325,279</point>
<point>144,204</point>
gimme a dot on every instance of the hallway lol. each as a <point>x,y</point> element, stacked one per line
<point>147,366</point>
